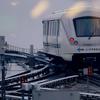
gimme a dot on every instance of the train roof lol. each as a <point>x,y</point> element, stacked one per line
<point>53,16</point>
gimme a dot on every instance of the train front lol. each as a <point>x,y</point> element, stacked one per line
<point>82,26</point>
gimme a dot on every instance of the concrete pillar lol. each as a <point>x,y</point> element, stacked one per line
<point>31,49</point>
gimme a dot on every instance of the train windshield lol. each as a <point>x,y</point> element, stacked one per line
<point>87,26</point>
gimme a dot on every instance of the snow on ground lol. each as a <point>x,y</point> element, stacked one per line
<point>12,69</point>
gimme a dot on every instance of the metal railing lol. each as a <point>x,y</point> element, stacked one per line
<point>14,48</point>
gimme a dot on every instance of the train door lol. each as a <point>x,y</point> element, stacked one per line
<point>51,34</point>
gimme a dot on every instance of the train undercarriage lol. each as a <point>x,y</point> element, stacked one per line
<point>81,61</point>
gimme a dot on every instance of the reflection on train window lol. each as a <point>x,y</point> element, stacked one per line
<point>51,27</point>
<point>87,26</point>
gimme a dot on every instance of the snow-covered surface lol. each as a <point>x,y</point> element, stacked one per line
<point>12,69</point>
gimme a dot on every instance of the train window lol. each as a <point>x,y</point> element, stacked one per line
<point>56,27</point>
<point>45,27</point>
<point>50,27</point>
<point>87,26</point>
<point>53,27</point>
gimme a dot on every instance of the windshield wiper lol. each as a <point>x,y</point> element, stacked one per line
<point>90,36</point>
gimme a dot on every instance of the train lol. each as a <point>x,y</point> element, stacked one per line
<point>74,33</point>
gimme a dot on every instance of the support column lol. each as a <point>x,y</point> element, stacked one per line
<point>3,93</point>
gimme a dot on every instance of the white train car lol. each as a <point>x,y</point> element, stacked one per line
<point>74,32</point>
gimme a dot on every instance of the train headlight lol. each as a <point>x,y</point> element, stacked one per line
<point>76,42</point>
<point>71,40</point>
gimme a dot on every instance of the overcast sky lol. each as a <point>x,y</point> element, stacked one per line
<point>20,20</point>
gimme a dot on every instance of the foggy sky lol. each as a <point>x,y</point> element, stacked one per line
<point>17,24</point>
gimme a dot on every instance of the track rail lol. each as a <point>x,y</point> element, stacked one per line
<point>58,83</point>
<point>16,81</point>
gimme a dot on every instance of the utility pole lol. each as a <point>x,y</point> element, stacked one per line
<point>2,63</point>
<point>3,77</point>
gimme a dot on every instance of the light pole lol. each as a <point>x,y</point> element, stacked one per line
<point>3,77</point>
